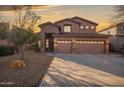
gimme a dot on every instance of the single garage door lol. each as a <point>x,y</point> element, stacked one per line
<point>90,47</point>
<point>64,46</point>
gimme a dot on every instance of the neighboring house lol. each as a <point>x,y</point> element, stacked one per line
<point>72,35</point>
<point>116,36</point>
<point>5,42</point>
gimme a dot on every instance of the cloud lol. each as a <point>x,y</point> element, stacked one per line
<point>56,12</point>
<point>10,7</point>
<point>7,13</point>
<point>34,7</point>
<point>103,25</point>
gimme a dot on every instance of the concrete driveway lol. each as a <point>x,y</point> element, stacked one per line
<point>85,70</point>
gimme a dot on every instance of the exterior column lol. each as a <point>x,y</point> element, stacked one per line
<point>107,46</point>
<point>73,46</point>
<point>42,42</point>
<point>55,45</point>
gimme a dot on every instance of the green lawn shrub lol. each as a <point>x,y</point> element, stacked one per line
<point>7,50</point>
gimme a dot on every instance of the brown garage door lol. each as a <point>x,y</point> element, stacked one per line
<point>89,47</point>
<point>64,46</point>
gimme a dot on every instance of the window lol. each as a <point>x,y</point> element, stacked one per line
<point>67,28</point>
<point>90,42</point>
<point>87,27</point>
<point>81,42</point>
<point>63,41</point>
<point>92,27</point>
<point>81,27</point>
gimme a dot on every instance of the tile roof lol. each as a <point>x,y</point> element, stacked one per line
<point>68,19</point>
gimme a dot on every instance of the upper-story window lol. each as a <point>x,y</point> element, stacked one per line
<point>87,27</point>
<point>92,27</point>
<point>67,28</point>
<point>81,27</point>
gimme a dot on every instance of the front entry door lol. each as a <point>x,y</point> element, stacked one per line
<point>49,42</point>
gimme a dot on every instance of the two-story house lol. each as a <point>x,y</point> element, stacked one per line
<point>116,36</point>
<point>72,35</point>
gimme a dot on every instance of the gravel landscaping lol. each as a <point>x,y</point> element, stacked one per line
<point>30,76</point>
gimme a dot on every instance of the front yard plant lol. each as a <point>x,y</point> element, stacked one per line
<point>7,50</point>
<point>15,64</point>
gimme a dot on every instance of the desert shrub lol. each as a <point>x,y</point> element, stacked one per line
<point>7,50</point>
<point>15,64</point>
<point>111,48</point>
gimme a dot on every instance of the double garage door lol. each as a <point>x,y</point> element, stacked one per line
<point>80,47</point>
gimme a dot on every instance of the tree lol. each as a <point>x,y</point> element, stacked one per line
<point>4,28</point>
<point>35,37</point>
<point>20,37</point>
<point>24,23</point>
<point>26,18</point>
<point>119,16</point>
<point>36,41</point>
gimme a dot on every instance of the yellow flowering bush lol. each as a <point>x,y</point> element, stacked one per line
<point>17,64</point>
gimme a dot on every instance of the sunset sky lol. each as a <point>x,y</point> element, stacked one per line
<point>101,14</point>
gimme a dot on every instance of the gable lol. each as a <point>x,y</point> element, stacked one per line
<point>83,21</point>
<point>65,20</point>
<point>74,25</point>
<point>75,22</point>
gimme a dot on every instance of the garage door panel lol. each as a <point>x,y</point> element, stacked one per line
<point>64,46</point>
<point>80,47</point>
<point>90,47</point>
